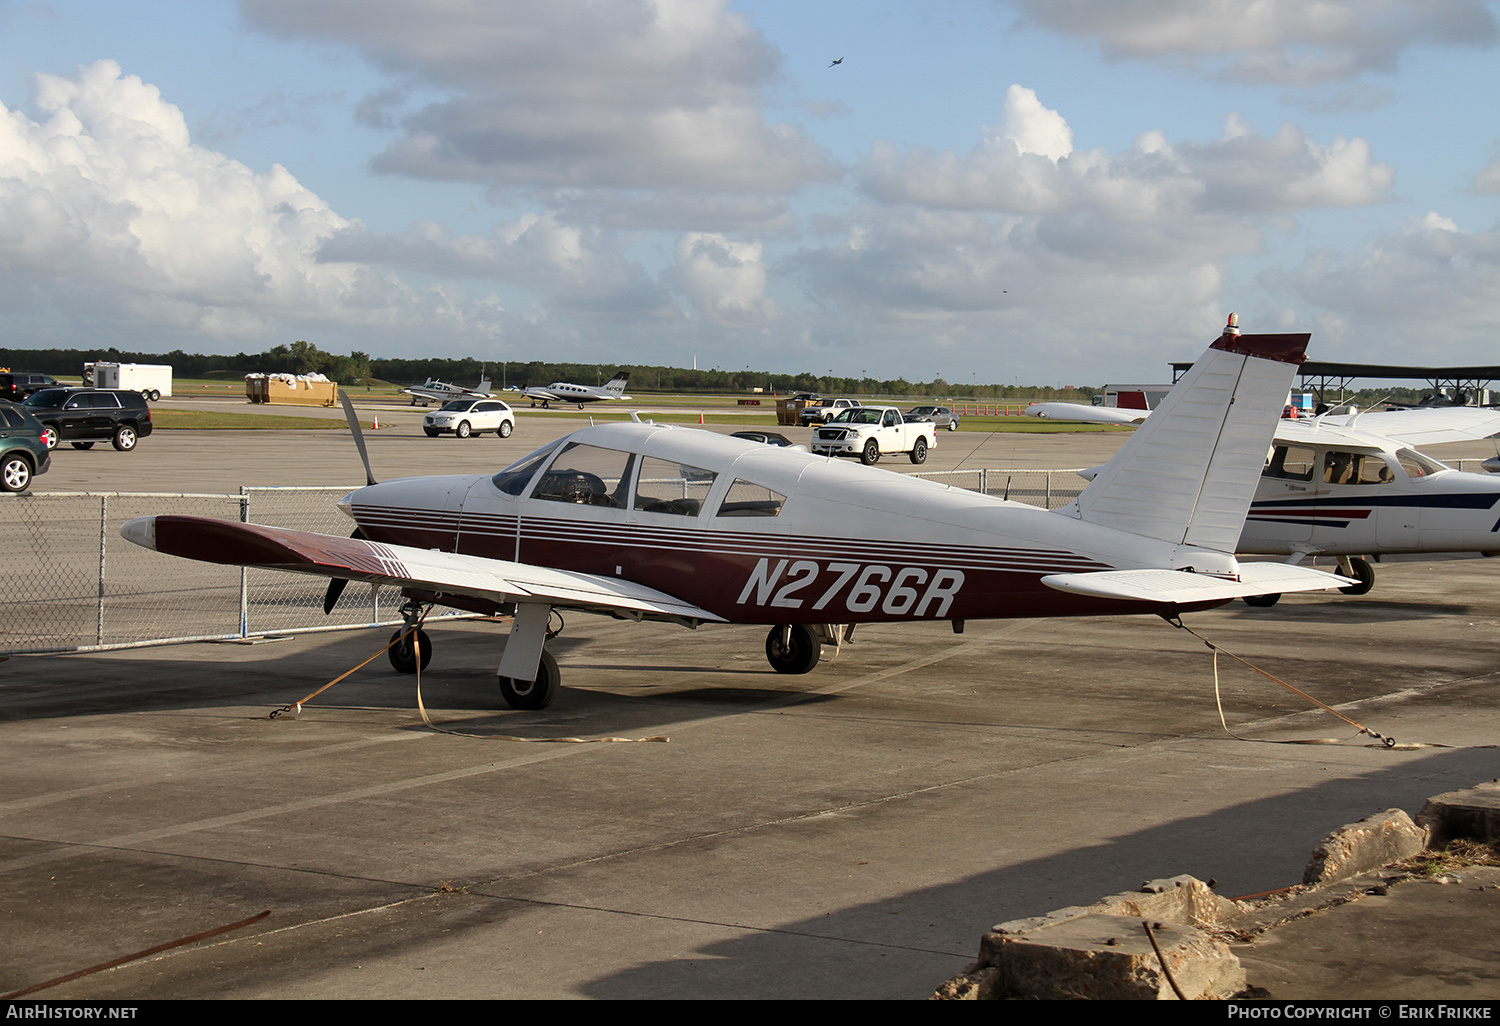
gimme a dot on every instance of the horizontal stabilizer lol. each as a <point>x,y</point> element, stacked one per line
<point>235,544</point>
<point>1182,587</point>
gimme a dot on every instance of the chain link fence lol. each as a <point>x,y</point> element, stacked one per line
<point>1049,489</point>
<point>73,584</point>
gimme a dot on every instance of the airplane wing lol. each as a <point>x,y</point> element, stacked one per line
<point>1085,414</point>
<point>323,555</point>
<point>1433,426</point>
<point>1183,588</point>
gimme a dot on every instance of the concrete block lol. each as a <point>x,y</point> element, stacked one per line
<point>1471,813</point>
<point>1110,958</point>
<point>1360,847</point>
<point>1175,899</point>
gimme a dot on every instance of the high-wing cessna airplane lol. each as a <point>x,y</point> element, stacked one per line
<point>1354,485</point>
<point>643,521</point>
<point>435,391</point>
<point>565,392</point>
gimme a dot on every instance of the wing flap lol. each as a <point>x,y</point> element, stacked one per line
<point>322,555</point>
<point>1180,587</point>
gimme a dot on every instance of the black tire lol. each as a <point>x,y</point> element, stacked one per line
<point>125,438</point>
<point>919,451</point>
<point>463,430</point>
<point>82,445</point>
<point>154,396</point>
<point>1263,600</point>
<point>799,654</point>
<point>1361,569</point>
<point>50,437</point>
<point>953,425</point>
<point>15,473</point>
<point>403,659</point>
<point>871,455</point>
<point>505,428</point>
<point>430,432</point>
<point>533,694</point>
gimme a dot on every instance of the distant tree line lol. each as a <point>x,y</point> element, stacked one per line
<point>357,368</point>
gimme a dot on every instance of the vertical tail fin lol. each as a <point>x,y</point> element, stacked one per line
<point>616,384</point>
<point>1188,473</point>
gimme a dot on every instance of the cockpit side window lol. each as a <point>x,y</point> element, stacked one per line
<point>747,499</point>
<point>587,475</point>
<point>1292,462</point>
<point>514,478</point>
<point>1355,468</point>
<point>673,488</point>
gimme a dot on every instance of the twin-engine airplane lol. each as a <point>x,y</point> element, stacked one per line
<point>435,391</point>
<point>642,521</point>
<point>1354,485</point>
<point>567,392</point>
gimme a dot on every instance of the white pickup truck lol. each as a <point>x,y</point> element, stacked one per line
<point>869,431</point>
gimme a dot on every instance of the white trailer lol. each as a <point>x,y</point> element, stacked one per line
<point>152,380</point>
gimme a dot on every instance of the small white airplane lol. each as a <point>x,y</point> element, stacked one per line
<point>434,391</point>
<point>566,392</point>
<point>1354,485</point>
<point>643,521</point>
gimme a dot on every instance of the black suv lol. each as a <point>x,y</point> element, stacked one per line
<point>17,385</point>
<point>23,454</point>
<point>84,416</point>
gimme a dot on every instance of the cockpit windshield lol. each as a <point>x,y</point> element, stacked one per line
<point>513,479</point>
<point>1417,465</point>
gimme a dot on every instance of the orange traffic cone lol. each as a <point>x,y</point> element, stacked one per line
<point>376,425</point>
<point>700,418</point>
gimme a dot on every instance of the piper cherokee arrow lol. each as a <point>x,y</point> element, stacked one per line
<point>651,522</point>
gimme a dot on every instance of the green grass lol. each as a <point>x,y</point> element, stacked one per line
<point>193,420</point>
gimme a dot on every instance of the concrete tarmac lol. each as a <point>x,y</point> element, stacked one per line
<point>851,833</point>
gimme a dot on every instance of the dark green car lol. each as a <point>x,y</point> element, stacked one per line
<point>23,452</point>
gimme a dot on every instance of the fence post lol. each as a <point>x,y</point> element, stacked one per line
<point>1047,492</point>
<point>244,572</point>
<point>103,535</point>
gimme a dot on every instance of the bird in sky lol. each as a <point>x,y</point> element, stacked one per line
<point>839,61</point>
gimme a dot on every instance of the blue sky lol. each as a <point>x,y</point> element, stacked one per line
<point>1043,191</point>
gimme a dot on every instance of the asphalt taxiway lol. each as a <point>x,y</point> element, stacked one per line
<point>850,833</point>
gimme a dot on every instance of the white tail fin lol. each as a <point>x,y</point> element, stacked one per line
<point>1188,473</point>
<point>484,384</point>
<point>616,384</point>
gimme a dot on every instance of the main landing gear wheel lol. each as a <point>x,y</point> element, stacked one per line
<point>871,455</point>
<point>403,659</point>
<point>1263,600</point>
<point>533,694</point>
<point>1363,572</point>
<point>794,651</point>
<point>919,451</point>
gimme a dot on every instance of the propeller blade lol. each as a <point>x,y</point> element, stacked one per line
<point>359,436</point>
<point>337,585</point>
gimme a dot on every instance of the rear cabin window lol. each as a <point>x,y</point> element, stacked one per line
<point>747,499</point>
<point>1292,462</point>
<point>676,489</point>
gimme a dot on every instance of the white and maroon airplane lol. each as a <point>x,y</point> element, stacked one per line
<point>644,521</point>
